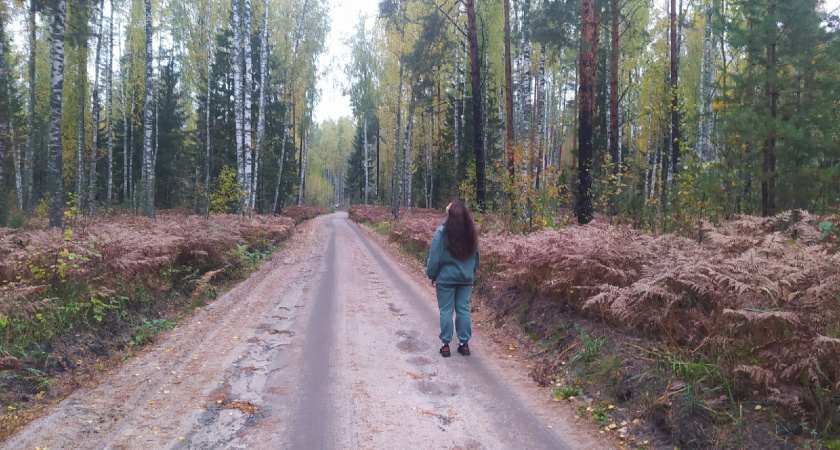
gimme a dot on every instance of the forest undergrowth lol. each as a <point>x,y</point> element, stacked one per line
<point>731,340</point>
<point>77,300</point>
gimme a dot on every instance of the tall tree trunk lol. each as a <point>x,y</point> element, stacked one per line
<point>247,89</point>
<point>280,161</point>
<point>576,112</point>
<point>132,183</point>
<point>148,150</point>
<point>54,165</point>
<point>705,88</point>
<point>561,134</point>
<point>614,141</point>
<point>126,130</point>
<point>7,134</point>
<point>29,159</point>
<point>109,80</point>
<point>263,97</point>
<point>80,140</point>
<point>405,163</point>
<point>648,150</point>
<point>395,198</point>
<point>94,127</point>
<point>457,109</point>
<point>367,182</point>
<point>156,99</point>
<point>510,140</point>
<point>675,113</point>
<point>590,27</point>
<point>478,134</point>
<point>527,109</point>
<point>771,92</point>
<point>305,153</point>
<point>238,97</point>
<point>540,118</point>
<point>207,139</point>
<point>409,161</point>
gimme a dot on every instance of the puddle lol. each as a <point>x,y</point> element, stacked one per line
<point>419,361</point>
<point>412,345</point>
<point>437,388</point>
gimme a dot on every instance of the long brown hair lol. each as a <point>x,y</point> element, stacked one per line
<point>459,231</point>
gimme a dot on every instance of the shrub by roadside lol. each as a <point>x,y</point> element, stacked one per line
<point>70,298</point>
<point>749,316</point>
<point>301,213</point>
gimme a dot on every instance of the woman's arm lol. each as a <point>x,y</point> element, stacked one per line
<point>433,264</point>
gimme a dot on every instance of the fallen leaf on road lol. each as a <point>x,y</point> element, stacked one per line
<point>246,407</point>
<point>273,331</point>
<point>220,397</point>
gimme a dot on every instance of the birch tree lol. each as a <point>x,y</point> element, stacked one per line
<point>54,165</point>
<point>109,77</point>
<point>239,101</point>
<point>94,134</point>
<point>148,117</point>
<point>707,78</point>
<point>510,141</point>
<point>262,100</point>
<point>29,158</point>
<point>247,89</point>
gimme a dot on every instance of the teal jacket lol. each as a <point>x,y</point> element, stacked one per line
<point>444,268</point>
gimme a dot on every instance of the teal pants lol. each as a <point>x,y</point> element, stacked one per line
<point>454,297</point>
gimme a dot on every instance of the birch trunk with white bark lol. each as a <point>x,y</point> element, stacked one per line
<point>280,162</point>
<point>247,89</point>
<point>237,96</point>
<point>80,147</point>
<point>540,119</point>
<point>109,85</point>
<point>29,158</point>
<point>527,106</point>
<point>54,165</point>
<point>367,179</point>
<point>706,80</point>
<point>148,150</point>
<point>457,105</point>
<point>395,198</point>
<point>301,191</point>
<point>262,101</point>
<point>94,128</point>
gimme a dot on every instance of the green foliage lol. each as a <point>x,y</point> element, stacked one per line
<point>147,329</point>
<point>566,392</point>
<point>226,193</point>
<point>251,259</point>
<point>383,228</point>
<point>590,348</point>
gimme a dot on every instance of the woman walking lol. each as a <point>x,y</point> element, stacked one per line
<point>453,261</point>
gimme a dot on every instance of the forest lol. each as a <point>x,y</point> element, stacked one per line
<point>658,113</point>
<point>663,126</point>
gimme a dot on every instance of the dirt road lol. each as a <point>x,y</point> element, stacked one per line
<point>331,345</point>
